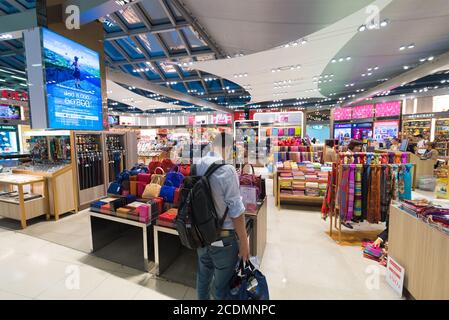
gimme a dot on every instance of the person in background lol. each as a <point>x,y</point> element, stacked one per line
<point>421,144</point>
<point>330,155</point>
<point>394,144</point>
<point>430,152</point>
<point>355,146</point>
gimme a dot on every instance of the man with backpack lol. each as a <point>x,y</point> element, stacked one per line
<point>217,261</point>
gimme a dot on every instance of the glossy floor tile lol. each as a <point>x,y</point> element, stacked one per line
<point>301,261</point>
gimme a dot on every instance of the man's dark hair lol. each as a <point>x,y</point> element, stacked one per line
<point>330,143</point>
<point>353,144</point>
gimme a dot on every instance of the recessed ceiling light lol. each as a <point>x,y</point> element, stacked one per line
<point>402,48</point>
<point>362,28</point>
<point>422,59</point>
<point>406,67</point>
<point>348,58</point>
<point>333,60</point>
<point>411,46</point>
<point>384,23</point>
<point>430,58</point>
<point>340,60</point>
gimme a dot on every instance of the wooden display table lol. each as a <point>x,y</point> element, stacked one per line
<point>22,209</point>
<point>61,188</point>
<point>423,251</point>
<point>291,198</point>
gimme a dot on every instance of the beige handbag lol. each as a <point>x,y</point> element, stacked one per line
<point>158,178</point>
<point>152,190</point>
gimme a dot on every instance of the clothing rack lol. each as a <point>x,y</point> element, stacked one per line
<point>331,207</point>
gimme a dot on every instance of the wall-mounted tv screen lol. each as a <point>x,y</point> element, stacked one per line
<point>73,84</point>
<point>342,131</point>
<point>9,112</point>
<point>362,131</point>
<point>113,120</point>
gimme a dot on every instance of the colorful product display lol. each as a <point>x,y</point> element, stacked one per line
<point>442,136</point>
<point>302,179</point>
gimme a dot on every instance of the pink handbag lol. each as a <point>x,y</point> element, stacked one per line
<point>252,180</point>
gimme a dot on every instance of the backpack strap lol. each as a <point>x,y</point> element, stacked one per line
<point>212,168</point>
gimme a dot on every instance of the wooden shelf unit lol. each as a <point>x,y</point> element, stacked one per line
<point>307,200</point>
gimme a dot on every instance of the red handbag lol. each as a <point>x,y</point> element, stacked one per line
<point>167,165</point>
<point>160,204</point>
<point>144,177</point>
<point>252,180</point>
<point>184,169</point>
<point>140,188</point>
<point>153,165</point>
<point>177,196</point>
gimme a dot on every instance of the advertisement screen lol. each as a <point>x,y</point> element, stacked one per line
<point>113,120</point>
<point>9,112</point>
<point>362,131</point>
<point>320,132</point>
<point>342,131</point>
<point>362,112</point>
<point>342,114</point>
<point>385,129</point>
<point>73,84</point>
<point>8,139</point>
<point>388,109</point>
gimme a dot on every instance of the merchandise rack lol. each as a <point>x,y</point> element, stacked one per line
<point>300,199</point>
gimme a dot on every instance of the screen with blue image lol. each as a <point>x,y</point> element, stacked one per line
<point>320,132</point>
<point>73,84</point>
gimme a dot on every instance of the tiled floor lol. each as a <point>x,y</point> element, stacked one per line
<point>301,261</point>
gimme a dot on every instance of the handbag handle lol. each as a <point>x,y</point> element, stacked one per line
<point>163,172</point>
<point>252,167</point>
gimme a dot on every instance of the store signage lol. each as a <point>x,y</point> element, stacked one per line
<point>420,116</point>
<point>222,118</point>
<point>342,114</point>
<point>388,109</point>
<point>363,112</point>
<point>70,74</point>
<point>295,117</point>
<point>395,276</point>
<point>14,95</point>
<point>239,115</point>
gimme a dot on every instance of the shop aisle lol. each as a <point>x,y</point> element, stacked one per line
<point>300,262</point>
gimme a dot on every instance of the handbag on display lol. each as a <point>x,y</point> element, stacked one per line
<point>153,166</point>
<point>158,178</point>
<point>167,193</point>
<point>177,196</point>
<point>144,177</point>
<point>115,188</point>
<point>184,169</point>
<point>140,188</point>
<point>152,190</point>
<point>251,180</point>
<point>174,178</point>
<point>133,187</point>
<point>167,165</point>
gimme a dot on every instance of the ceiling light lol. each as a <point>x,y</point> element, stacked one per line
<point>430,58</point>
<point>384,23</point>
<point>333,60</point>
<point>303,41</point>
<point>422,59</point>
<point>348,58</point>
<point>406,67</point>
<point>411,46</point>
<point>402,48</point>
<point>362,28</point>
<point>340,60</point>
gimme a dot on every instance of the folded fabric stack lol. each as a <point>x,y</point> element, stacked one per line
<point>371,252</point>
<point>312,189</point>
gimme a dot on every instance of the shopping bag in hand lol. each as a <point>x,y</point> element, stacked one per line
<point>248,283</point>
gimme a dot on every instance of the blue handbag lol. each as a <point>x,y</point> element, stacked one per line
<point>167,193</point>
<point>115,187</point>
<point>248,283</point>
<point>174,178</point>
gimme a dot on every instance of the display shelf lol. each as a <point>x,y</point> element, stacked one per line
<point>60,183</point>
<point>23,210</point>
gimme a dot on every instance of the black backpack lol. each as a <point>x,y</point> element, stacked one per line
<point>197,222</point>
